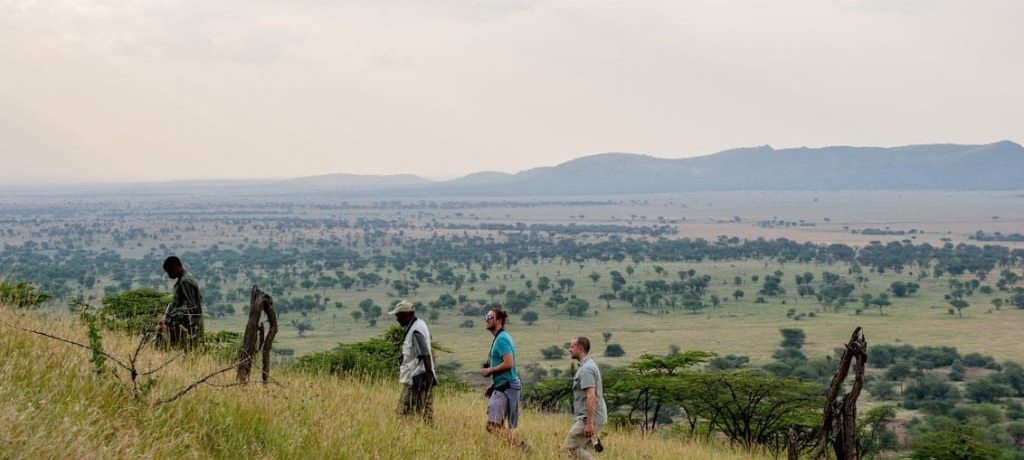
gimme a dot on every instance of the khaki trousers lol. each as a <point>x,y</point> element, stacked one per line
<point>577,445</point>
<point>417,401</point>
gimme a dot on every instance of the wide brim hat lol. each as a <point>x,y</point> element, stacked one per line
<point>403,306</point>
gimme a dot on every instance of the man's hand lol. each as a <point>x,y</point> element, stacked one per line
<point>588,428</point>
<point>486,372</point>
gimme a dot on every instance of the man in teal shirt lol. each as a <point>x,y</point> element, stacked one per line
<point>503,394</point>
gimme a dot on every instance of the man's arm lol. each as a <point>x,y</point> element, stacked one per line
<point>588,428</point>
<point>423,353</point>
<point>428,364</point>
<point>507,362</point>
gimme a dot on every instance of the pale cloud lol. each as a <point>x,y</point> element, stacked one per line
<point>148,89</point>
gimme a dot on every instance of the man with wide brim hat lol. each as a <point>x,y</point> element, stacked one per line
<point>403,306</point>
<point>416,370</point>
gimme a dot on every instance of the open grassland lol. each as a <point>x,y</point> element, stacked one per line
<point>741,326</point>
<point>53,405</point>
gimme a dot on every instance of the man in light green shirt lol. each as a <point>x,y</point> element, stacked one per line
<point>589,410</point>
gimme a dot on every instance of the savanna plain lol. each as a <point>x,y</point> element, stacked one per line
<point>768,282</point>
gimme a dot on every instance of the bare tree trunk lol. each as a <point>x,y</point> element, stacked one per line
<point>792,449</point>
<point>268,342</point>
<point>259,302</point>
<point>839,427</point>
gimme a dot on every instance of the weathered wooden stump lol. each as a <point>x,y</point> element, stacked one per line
<point>839,427</point>
<point>259,303</point>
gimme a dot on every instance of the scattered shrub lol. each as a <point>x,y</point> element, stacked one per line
<point>553,352</point>
<point>614,350</point>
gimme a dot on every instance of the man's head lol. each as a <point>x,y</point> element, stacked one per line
<point>404,311</point>
<point>579,348</point>
<point>173,267</point>
<point>495,319</point>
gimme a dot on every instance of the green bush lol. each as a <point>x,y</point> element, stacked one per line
<point>21,295</point>
<point>990,413</point>
<point>1014,410</point>
<point>377,357</point>
<point>882,389</point>
<point>933,357</point>
<point>728,362</point>
<point>223,345</point>
<point>941,441</point>
<point>614,350</point>
<point>553,352</point>
<point>931,395</point>
<point>133,310</point>
<point>792,337</point>
<point>880,356</point>
<point>979,360</point>
<point>987,390</point>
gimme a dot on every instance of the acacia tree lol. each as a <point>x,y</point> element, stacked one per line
<point>959,305</point>
<point>301,326</point>
<point>754,408</point>
<point>653,382</point>
<point>873,431</point>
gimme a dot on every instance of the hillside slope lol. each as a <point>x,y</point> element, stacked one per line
<point>52,405</point>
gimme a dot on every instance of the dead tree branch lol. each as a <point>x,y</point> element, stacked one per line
<point>839,427</point>
<point>157,369</point>
<point>193,385</point>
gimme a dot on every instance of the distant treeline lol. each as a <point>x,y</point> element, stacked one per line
<point>59,269</point>
<point>423,204</point>
<point>886,231</point>
<point>571,229</point>
<point>996,236</point>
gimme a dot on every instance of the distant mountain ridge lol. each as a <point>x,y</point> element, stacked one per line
<point>996,166</point>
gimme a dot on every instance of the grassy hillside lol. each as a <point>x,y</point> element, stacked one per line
<point>53,405</point>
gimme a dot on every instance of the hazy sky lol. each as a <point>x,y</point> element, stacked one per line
<point>144,90</point>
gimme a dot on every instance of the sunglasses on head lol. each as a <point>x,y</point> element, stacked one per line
<point>488,317</point>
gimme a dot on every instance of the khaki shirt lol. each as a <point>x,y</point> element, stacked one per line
<point>186,299</point>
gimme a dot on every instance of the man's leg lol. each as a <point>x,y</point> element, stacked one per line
<point>175,330</point>
<point>192,336</point>
<point>576,444</point>
<point>497,413</point>
<point>423,403</point>
<point>496,409</point>
<point>405,401</point>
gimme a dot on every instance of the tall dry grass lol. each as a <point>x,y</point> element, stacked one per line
<point>53,405</point>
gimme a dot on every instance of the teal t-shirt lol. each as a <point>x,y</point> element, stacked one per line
<point>502,346</point>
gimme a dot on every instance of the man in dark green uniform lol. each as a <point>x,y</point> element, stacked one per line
<point>184,319</point>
